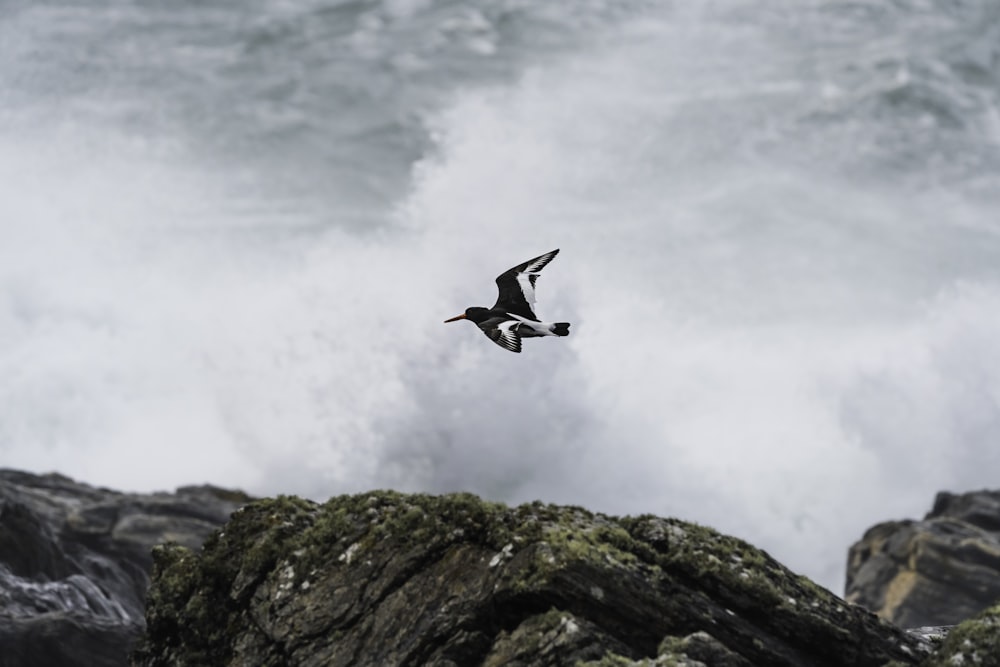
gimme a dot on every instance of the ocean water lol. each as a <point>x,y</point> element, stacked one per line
<point>230,234</point>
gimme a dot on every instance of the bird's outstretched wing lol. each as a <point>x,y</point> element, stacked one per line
<point>517,286</point>
<point>505,335</point>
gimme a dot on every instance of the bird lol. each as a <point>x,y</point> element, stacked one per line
<point>511,318</point>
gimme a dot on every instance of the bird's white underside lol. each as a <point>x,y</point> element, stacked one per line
<point>540,328</point>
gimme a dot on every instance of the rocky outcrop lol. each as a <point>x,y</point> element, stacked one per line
<point>390,579</point>
<point>938,571</point>
<point>75,563</point>
<point>974,643</point>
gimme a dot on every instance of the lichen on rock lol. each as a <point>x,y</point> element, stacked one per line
<point>385,578</point>
<point>973,643</point>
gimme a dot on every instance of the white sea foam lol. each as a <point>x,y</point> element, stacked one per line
<point>779,256</point>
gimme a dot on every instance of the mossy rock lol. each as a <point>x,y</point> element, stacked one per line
<point>973,643</point>
<point>385,578</point>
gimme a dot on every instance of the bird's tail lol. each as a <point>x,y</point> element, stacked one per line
<point>561,328</point>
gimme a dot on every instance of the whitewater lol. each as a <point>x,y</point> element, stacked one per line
<point>230,234</point>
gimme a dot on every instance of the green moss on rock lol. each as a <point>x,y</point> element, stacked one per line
<point>975,642</point>
<point>387,578</point>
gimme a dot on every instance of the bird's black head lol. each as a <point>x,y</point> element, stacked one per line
<point>475,313</point>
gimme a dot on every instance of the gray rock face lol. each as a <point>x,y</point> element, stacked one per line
<point>386,579</point>
<point>75,563</point>
<point>939,571</point>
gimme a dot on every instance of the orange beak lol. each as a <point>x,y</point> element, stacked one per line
<point>457,317</point>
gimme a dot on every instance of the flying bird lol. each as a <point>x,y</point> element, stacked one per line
<point>511,318</point>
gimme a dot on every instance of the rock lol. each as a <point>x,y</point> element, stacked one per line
<point>938,571</point>
<point>389,579</point>
<point>699,649</point>
<point>974,642</point>
<point>75,563</point>
<point>931,636</point>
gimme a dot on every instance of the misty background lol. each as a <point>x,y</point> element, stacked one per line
<point>230,233</point>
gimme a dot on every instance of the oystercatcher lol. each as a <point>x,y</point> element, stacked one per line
<point>511,317</point>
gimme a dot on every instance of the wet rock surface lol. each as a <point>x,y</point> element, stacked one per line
<point>938,571</point>
<point>391,579</point>
<point>75,563</point>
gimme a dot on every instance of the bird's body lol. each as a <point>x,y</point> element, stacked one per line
<point>512,317</point>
